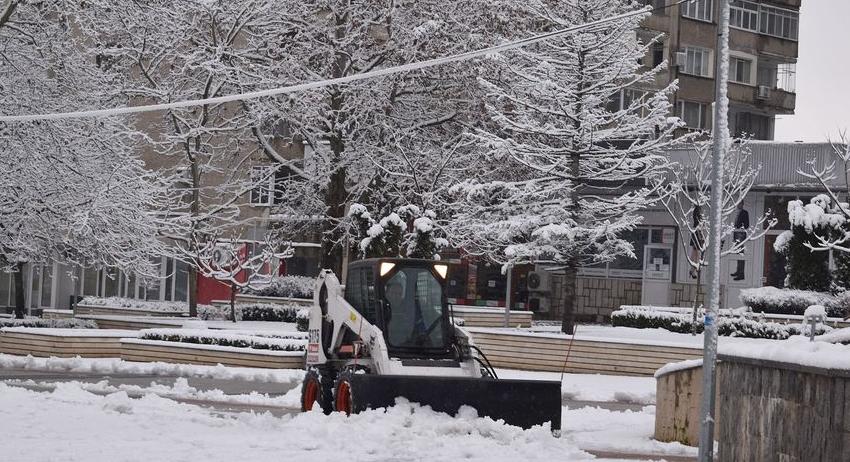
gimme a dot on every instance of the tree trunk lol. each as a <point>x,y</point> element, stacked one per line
<point>696,300</point>
<point>193,292</point>
<point>233,301</point>
<point>20,296</point>
<point>568,322</point>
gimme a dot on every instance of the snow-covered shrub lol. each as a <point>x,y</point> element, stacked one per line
<point>302,319</point>
<point>285,286</point>
<point>250,312</point>
<point>71,323</point>
<point>730,326</point>
<point>268,312</point>
<point>791,301</point>
<point>134,304</point>
<point>808,269</point>
<point>276,342</point>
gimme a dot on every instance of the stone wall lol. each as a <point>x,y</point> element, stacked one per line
<point>782,412</point>
<point>683,294</point>
<point>597,298</point>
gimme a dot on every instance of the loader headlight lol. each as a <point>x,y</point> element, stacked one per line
<point>386,267</point>
<point>442,270</point>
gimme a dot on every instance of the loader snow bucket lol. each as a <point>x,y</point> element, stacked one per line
<point>523,403</point>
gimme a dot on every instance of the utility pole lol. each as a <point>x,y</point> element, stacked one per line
<point>508,297</point>
<point>720,134</point>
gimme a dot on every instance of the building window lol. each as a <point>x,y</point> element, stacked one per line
<point>744,15</point>
<point>623,99</point>
<point>697,61</point>
<point>693,114</point>
<point>740,70</point>
<point>657,54</point>
<point>262,179</point>
<point>698,9</point>
<point>7,289</point>
<point>786,77</point>
<point>626,267</point>
<point>778,22</point>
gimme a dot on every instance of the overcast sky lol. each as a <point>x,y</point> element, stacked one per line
<point>823,74</point>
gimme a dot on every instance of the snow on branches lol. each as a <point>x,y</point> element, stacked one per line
<point>573,129</point>
<point>71,191</point>
<point>408,231</point>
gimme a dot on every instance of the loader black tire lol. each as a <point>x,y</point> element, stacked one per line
<point>344,393</point>
<point>317,388</point>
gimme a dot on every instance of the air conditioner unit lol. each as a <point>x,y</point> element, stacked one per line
<point>763,92</point>
<point>538,304</point>
<point>680,58</point>
<point>222,256</point>
<point>539,281</point>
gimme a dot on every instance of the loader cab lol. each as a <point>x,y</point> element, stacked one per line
<point>406,299</point>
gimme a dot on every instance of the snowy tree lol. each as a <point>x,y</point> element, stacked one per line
<point>174,51</point>
<point>812,225</point>
<point>70,191</point>
<point>406,232</point>
<point>230,263</point>
<point>384,142</point>
<point>686,195</point>
<point>576,129</point>
<point>834,178</point>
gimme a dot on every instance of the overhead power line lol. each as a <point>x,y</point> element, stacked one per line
<point>328,82</point>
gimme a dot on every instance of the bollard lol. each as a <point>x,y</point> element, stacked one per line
<point>814,315</point>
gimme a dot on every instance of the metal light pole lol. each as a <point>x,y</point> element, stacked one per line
<point>508,297</point>
<point>720,134</point>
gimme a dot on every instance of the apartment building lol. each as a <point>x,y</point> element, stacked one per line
<point>763,44</point>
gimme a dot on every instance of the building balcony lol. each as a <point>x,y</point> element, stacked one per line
<point>770,100</point>
<point>761,44</point>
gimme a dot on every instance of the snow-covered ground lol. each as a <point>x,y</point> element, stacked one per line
<point>594,387</point>
<point>71,424</point>
<point>145,423</point>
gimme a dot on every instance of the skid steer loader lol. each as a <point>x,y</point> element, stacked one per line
<point>390,334</point>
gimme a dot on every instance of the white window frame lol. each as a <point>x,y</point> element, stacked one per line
<point>700,10</point>
<point>702,123</point>
<point>604,270</point>
<point>734,61</point>
<point>697,54</point>
<point>264,198</point>
<point>791,32</point>
<point>743,13</point>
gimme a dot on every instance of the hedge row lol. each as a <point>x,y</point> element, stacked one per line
<point>251,312</point>
<point>729,326</point>
<point>70,323</point>
<point>275,342</point>
<point>794,302</point>
<point>286,286</point>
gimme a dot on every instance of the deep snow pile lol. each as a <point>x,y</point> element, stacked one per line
<point>118,428</point>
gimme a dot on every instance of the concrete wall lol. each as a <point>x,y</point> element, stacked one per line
<point>782,412</point>
<point>677,409</point>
